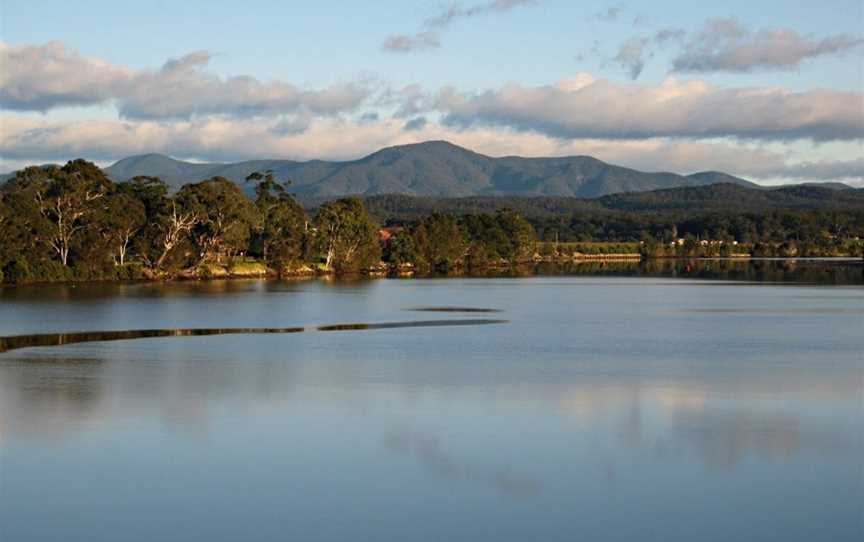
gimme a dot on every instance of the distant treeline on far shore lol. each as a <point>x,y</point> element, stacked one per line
<point>73,223</point>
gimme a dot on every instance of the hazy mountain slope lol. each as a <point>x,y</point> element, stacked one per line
<point>716,177</point>
<point>434,168</point>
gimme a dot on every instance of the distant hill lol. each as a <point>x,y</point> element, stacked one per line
<point>827,184</point>
<point>723,198</point>
<point>718,177</point>
<point>730,197</point>
<point>434,168</point>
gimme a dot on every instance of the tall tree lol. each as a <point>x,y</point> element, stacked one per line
<point>161,219</point>
<point>440,243</point>
<point>400,249</point>
<point>347,235</point>
<point>281,226</point>
<point>225,217</point>
<point>66,197</point>
<point>521,239</point>
<point>122,217</point>
<point>174,228</point>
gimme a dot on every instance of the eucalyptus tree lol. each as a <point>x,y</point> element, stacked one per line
<point>281,226</point>
<point>174,228</point>
<point>223,216</point>
<point>66,198</point>
<point>122,217</point>
<point>347,235</point>
<point>165,226</point>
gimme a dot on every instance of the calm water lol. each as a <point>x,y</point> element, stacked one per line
<point>616,408</point>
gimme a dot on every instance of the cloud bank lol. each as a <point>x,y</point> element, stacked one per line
<point>44,77</point>
<point>599,108</point>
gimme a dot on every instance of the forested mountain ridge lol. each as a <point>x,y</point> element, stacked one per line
<point>433,168</point>
<point>713,198</point>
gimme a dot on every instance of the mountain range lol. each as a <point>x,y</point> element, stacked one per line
<point>433,168</point>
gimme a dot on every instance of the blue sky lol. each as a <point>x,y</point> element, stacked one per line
<point>483,83</point>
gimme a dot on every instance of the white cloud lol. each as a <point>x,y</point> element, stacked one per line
<point>686,109</point>
<point>184,110</point>
<point>43,77</point>
<point>49,76</point>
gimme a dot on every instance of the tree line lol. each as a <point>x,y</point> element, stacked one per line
<point>64,223</point>
<point>807,221</point>
<point>71,222</point>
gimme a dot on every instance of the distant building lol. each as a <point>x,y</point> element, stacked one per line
<point>384,234</point>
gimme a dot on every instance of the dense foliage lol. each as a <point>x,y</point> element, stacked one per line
<point>796,221</point>
<point>72,223</point>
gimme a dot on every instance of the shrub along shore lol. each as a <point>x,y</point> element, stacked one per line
<point>72,223</point>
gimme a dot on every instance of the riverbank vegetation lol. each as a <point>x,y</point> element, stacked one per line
<point>72,223</point>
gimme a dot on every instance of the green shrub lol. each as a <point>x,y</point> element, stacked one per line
<point>18,272</point>
<point>130,271</point>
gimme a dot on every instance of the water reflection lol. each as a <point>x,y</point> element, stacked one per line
<point>840,271</point>
<point>428,451</point>
<point>725,438</point>
<point>52,396</point>
<point>606,409</point>
<point>453,309</point>
<point>836,271</point>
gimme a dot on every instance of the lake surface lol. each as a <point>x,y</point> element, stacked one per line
<point>603,408</point>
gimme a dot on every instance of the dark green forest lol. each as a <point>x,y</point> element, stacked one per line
<point>788,221</point>
<point>72,223</point>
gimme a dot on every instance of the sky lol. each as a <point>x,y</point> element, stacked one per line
<point>772,91</point>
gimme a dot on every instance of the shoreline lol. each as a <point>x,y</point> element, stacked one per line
<point>502,269</point>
